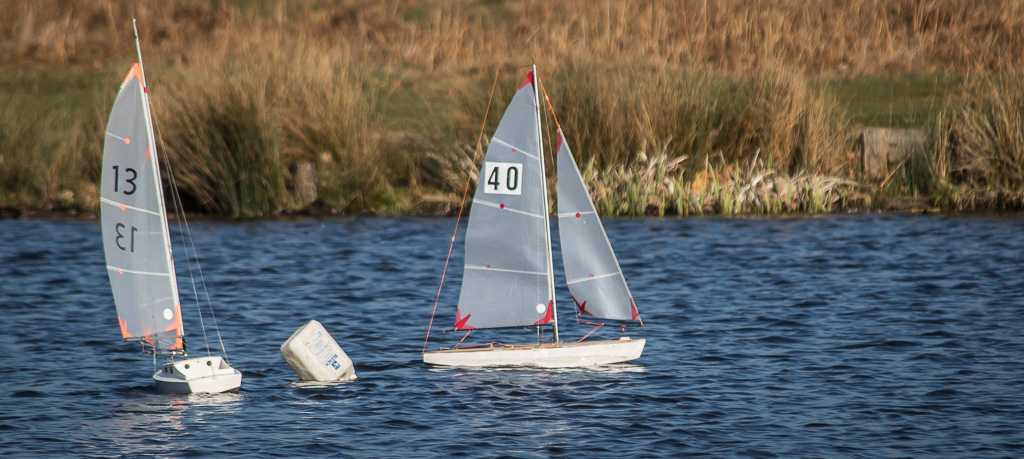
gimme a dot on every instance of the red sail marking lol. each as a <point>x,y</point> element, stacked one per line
<point>527,81</point>
<point>460,322</point>
<point>547,317</point>
<point>581,306</point>
<point>145,159</point>
<point>176,327</point>
<point>135,72</point>
<point>501,206</point>
<point>577,215</point>
<point>636,314</point>
<point>124,328</point>
<point>558,140</point>
<point>146,332</point>
<point>127,141</point>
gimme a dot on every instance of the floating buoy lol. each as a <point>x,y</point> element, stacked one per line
<point>315,356</point>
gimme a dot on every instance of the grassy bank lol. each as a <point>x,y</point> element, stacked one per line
<point>688,107</point>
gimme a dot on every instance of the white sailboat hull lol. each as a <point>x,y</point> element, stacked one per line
<point>197,376</point>
<point>564,355</point>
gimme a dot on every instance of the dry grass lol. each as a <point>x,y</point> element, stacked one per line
<point>48,159</point>
<point>246,90</point>
<point>846,36</point>
<point>240,125</point>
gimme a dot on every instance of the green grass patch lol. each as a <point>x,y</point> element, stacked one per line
<point>899,101</point>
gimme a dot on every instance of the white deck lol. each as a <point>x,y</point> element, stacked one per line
<point>563,355</point>
<point>197,375</point>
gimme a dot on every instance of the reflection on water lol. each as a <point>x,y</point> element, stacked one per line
<point>840,336</point>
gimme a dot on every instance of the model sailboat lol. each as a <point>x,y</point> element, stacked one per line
<point>508,279</point>
<point>137,245</point>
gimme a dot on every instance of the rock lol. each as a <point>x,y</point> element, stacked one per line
<point>884,148</point>
<point>304,184</point>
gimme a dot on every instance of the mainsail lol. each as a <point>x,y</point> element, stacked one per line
<point>595,280</point>
<point>507,279</point>
<point>134,223</point>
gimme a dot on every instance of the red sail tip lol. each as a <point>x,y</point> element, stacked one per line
<point>135,72</point>
<point>527,81</point>
<point>558,140</point>
<point>582,307</point>
<point>547,316</point>
<point>460,322</point>
<point>124,327</point>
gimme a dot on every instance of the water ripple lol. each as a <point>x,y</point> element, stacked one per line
<point>862,336</point>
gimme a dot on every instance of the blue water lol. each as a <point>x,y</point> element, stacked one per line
<point>848,336</point>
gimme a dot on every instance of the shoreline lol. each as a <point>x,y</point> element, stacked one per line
<point>908,207</point>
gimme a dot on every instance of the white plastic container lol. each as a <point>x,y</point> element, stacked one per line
<point>315,356</point>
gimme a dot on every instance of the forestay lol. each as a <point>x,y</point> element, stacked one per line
<point>134,223</point>
<point>507,279</point>
<point>595,280</point>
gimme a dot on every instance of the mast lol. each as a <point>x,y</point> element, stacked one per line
<point>158,183</point>
<point>547,212</point>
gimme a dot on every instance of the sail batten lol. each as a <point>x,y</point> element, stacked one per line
<point>127,207</point>
<point>576,214</point>
<point>502,206</point>
<point>593,278</point>
<point>489,268</point>
<point>514,148</point>
<point>141,273</point>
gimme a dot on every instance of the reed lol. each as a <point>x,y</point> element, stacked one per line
<point>978,147</point>
<point>659,186</point>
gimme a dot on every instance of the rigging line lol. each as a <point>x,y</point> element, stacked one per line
<point>591,332</point>
<point>554,154</point>
<point>179,212</point>
<point>152,127</point>
<point>462,206</point>
<point>179,209</point>
<point>548,100</point>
